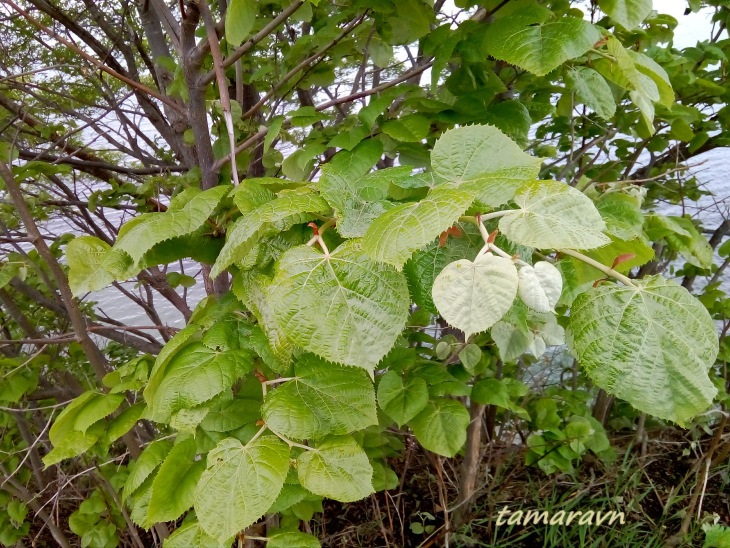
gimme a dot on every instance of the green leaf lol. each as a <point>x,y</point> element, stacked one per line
<point>622,70</point>
<point>622,214</point>
<point>553,215</point>
<point>483,160</point>
<point>124,422</point>
<point>682,235</point>
<point>647,66</point>
<point>145,465</point>
<point>93,265</point>
<point>11,269</point>
<point>322,399</point>
<point>473,296</point>
<point>592,90</point>
<point>240,18</point>
<point>408,129</point>
<point>651,345</point>
<point>337,468</point>
<point>394,236</point>
<point>441,427</point>
<point>400,400</point>
<point>192,535</point>
<point>139,236</point>
<point>537,41</point>
<point>499,392</point>
<point>173,489</point>
<point>194,376</point>
<point>627,13</point>
<point>271,217</point>
<point>292,539</point>
<point>344,308</point>
<point>358,199</point>
<point>240,484</point>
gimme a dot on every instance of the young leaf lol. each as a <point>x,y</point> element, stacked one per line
<point>240,18</point>
<point>592,90</point>
<point>173,489</point>
<point>338,469</point>
<point>344,308</point>
<point>627,13</point>
<point>540,286</point>
<point>483,160</point>
<point>394,236</point>
<point>651,345</point>
<point>248,478</point>
<point>473,296</point>
<point>93,265</point>
<point>554,215</point>
<point>441,427</point>
<point>402,401</point>
<point>537,41</point>
<point>322,399</point>
<point>271,217</point>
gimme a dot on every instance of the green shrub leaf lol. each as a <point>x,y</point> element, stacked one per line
<point>248,478</point>
<point>651,345</point>
<point>344,308</point>
<point>337,468</point>
<point>322,399</point>
<point>554,215</point>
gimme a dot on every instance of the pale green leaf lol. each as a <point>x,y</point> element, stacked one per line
<point>240,18</point>
<point>554,215</point>
<point>93,265</point>
<point>424,266</point>
<point>540,286</point>
<point>358,199</point>
<point>473,296</point>
<point>647,66</point>
<point>322,399</point>
<point>173,489</point>
<point>275,216</point>
<point>537,41</point>
<point>682,235</point>
<point>622,214</point>
<point>240,484</point>
<point>394,236</point>
<point>651,345</point>
<point>192,535</point>
<point>592,90</point>
<point>195,375</point>
<point>441,427</point>
<point>400,400</point>
<point>627,13</point>
<point>337,468</point>
<point>484,161</point>
<point>292,539</point>
<point>344,308</point>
